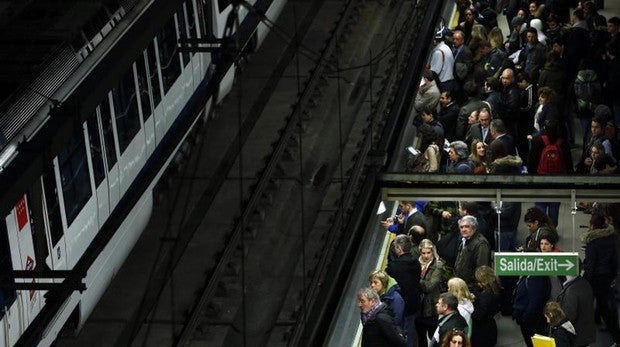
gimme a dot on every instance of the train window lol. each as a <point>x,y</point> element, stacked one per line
<point>126,110</point>
<point>191,20</point>
<point>52,204</point>
<point>204,15</point>
<point>96,150</point>
<point>153,73</point>
<point>167,44</point>
<point>7,295</point>
<point>182,29</point>
<point>94,25</point>
<point>223,4</point>
<point>143,87</point>
<point>74,175</point>
<point>108,132</point>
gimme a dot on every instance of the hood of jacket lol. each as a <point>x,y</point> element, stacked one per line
<point>569,327</point>
<point>510,160</point>
<point>597,234</point>
<point>466,306</point>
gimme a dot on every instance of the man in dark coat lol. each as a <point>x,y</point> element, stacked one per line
<point>463,62</point>
<point>406,270</point>
<point>601,267</point>
<point>448,113</point>
<point>481,129</point>
<point>577,43</point>
<point>576,300</point>
<point>530,297</point>
<point>377,320</point>
<point>471,104</point>
<point>533,55</point>
<point>500,133</point>
<point>449,318</point>
<point>512,97</point>
<point>474,251</point>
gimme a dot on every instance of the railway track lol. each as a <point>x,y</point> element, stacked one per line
<point>242,260</point>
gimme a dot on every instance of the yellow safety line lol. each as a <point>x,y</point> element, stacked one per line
<point>454,18</point>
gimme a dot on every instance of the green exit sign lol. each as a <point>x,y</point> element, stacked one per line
<point>536,264</point>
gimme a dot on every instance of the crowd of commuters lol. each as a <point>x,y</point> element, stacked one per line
<point>423,298</point>
<point>523,90</point>
<point>505,103</point>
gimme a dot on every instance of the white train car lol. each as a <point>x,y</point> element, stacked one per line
<point>55,221</point>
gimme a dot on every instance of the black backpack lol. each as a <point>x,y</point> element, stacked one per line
<point>588,89</point>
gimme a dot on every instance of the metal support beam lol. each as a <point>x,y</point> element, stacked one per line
<point>21,274</point>
<point>206,45</point>
<point>72,280</point>
<point>65,285</point>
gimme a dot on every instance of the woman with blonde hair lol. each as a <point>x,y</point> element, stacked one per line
<point>486,306</point>
<point>389,292</point>
<point>496,38</point>
<point>431,280</point>
<point>458,288</point>
<point>478,34</point>
<point>560,328</point>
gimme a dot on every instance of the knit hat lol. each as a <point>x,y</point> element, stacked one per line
<point>517,21</point>
<point>602,111</point>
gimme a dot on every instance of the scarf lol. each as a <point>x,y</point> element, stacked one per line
<point>373,311</point>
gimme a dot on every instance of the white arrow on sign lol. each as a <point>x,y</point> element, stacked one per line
<point>567,264</point>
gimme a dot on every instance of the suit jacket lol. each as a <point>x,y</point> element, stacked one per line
<point>464,112</point>
<point>475,132</point>
<point>449,323</point>
<point>576,300</point>
<point>415,218</point>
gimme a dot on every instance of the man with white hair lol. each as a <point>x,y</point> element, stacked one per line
<point>474,250</point>
<point>377,321</point>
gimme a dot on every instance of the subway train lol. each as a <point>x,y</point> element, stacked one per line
<point>53,223</point>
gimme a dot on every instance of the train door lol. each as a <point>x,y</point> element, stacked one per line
<point>186,22</point>
<point>57,257</point>
<point>23,258</point>
<point>75,191</point>
<point>31,298</point>
<point>129,130</point>
<point>170,70</point>
<point>156,91</point>
<point>9,305</point>
<point>110,153</point>
<point>146,101</point>
<point>96,155</point>
<point>221,10</point>
<point>195,26</point>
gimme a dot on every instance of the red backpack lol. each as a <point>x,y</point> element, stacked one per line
<point>551,160</point>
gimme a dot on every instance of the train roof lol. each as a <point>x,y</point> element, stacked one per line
<point>32,32</point>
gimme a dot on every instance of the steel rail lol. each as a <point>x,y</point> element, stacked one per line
<point>329,292</point>
<point>263,182</point>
